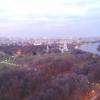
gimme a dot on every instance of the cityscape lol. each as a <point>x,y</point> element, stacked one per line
<point>35,62</point>
<point>49,49</point>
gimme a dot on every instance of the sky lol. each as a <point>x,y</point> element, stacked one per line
<point>49,18</point>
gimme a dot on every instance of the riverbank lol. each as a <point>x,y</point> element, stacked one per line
<point>91,47</point>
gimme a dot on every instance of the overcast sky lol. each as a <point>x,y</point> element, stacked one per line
<point>49,18</point>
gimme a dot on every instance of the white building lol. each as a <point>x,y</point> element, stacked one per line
<point>47,49</point>
<point>64,48</point>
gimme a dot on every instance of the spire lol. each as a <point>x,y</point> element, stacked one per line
<point>65,46</point>
<point>47,49</point>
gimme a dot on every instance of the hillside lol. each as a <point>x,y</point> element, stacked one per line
<point>52,76</point>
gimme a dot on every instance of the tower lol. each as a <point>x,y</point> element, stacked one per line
<point>47,49</point>
<point>65,48</point>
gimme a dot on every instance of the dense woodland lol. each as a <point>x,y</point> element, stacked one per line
<point>29,75</point>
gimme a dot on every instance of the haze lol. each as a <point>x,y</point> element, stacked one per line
<point>49,18</point>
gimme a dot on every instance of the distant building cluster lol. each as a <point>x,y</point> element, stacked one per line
<point>12,41</point>
<point>41,46</point>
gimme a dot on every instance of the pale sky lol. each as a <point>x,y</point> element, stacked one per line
<point>49,18</point>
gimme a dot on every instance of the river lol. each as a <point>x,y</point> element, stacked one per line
<point>91,47</point>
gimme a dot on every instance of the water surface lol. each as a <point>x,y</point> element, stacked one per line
<point>91,47</point>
